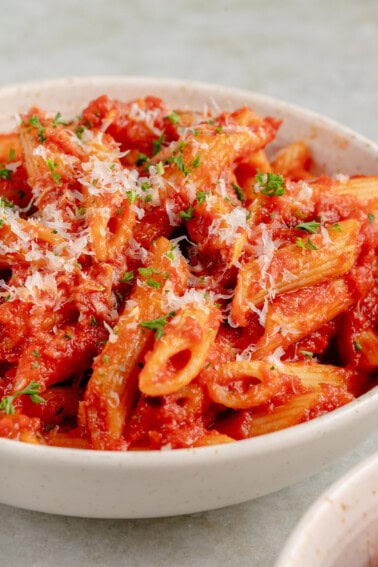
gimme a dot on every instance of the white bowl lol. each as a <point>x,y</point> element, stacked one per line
<point>341,528</point>
<point>150,484</point>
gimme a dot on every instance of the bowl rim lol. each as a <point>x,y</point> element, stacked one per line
<point>203,86</point>
<point>320,508</point>
<point>260,445</point>
<point>263,444</point>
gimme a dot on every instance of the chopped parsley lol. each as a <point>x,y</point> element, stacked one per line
<point>143,159</point>
<point>57,178</point>
<point>131,196</point>
<point>52,165</point>
<point>79,212</point>
<point>35,122</point>
<point>12,154</point>
<point>177,159</point>
<point>371,218</point>
<point>153,283</point>
<point>80,131</point>
<point>201,196</point>
<point>305,245</point>
<point>188,214</point>
<point>58,120</point>
<point>271,184</point>
<point>196,162</point>
<point>147,272</point>
<point>174,118</point>
<point>93,321</point>
<point>179,162</point>
<point>5,203</point>
<point>336,227</point>
<point>311,226</point>
<point>157,144</point>
<point>127,277</point>
<point>160,168</point>
<point>31,390</point>
<point>239,191</point>
<point>5,173</point>
<point>307,353</point>
<point>157,325</point>
<point>145,186</point>
<point>357,345</point>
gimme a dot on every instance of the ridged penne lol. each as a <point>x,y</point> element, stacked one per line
<point>292,267</point>
<point>179,354</point>
<point>285,323</point>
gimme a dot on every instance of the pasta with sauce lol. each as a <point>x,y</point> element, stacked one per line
<point>166,283</point>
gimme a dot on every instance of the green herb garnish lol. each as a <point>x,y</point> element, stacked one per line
<point>239,191</point>
<point>271,184</point>
<point>174,118</point>
<point>31,390</point>
<point>35,122</point>
<point>157,325</point>
<point>311,226</point>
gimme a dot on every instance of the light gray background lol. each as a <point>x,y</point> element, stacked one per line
<point>319,54</point>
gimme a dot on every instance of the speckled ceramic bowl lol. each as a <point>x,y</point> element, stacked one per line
<point>341,528</point>
<point>150,484</point>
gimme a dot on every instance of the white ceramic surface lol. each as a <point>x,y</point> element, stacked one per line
<point>341,528</point>
<point>151,484</point>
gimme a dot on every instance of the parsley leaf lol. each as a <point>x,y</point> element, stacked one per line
<point>357,345</point>
<point>127,277</point>
<point>196,162</point>
<point>5,173</point>
<point>187,215</point>
<point>153,283</point>
<point>305,245</point>
<point>131,196</point>
<point>271,184</point>
<point>174,118</point>
<point>239,191</point>
<point>80,131</point>
<point>145,186</point>
<point>157,144</point>
<point>58,120</point>
<point>201,196</point>
<point>147,272</point>
<point>371,218</point>
<point>35,122</point>
<point>307,353</point>
<point>160,168</point>
<point>310,227</point>
<point>157,325</point>
<point>31,390</point>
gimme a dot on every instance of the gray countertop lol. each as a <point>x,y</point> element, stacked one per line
<point>319,54</point>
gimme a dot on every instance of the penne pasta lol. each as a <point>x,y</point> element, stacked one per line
<point>294,266</point>
<point>167,282</point>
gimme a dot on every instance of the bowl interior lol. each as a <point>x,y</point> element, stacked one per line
<point>341,528</point>
<point>67,481</point>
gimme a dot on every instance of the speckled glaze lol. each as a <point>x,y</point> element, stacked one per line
<point>341,528</point>
<point>153,484</point>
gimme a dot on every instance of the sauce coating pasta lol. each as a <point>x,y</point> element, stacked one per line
<point>167,283</point>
